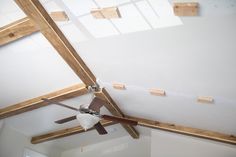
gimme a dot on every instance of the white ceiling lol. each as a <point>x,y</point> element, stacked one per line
<point>188,60</point>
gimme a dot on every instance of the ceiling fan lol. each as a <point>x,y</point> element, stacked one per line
<point>90,116</point>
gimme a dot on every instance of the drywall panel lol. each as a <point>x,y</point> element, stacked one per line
<point>124,146</point>
<point>164,144</point>
<point>12,144</point>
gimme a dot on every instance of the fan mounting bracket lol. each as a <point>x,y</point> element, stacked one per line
<point>94,88</point>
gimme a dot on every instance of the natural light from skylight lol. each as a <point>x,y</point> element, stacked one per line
<point>136,15</point>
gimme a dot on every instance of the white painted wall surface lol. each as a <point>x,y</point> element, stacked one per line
<point>165,144</point>
<point>124,146</point>
<point>13,143</point>
<point>1,125</point>
<point>31,153</point>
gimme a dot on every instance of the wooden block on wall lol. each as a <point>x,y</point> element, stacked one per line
<point>119,86</point>
<point>157,92</point>
<point>205,99</point>
<point>186,9</point>
<point>59,16</point>
<point>106,13</point>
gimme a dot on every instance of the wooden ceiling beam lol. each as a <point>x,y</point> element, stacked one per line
<point>64,133</point>
<point>200,133</point>
<point>16,30</point>
<point>115,110</point>
<point>49,29</point>
<point>35,103</point>
<point>205,134</point>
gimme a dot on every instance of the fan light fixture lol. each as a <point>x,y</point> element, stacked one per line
<point>86,120</point>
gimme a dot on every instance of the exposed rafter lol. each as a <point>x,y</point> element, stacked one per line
<point>35,103</point>
<point>49,29</point>
<point>26,26</point>
<point>205,134</point>
<point>64,133</point>
<point>16,30</point>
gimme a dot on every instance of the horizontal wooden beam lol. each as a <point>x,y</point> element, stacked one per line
<point>35,103</point>
<point>200,133</point>
<point>64,133</point>
<point>205,134</point>
<point>115,110</point>
<point>16,30</point>
<point>35,11</point>
<point>50,30</point>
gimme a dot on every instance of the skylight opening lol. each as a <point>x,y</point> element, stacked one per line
<point>111,3</point>
<point>136,15</point>
<point>98,27</point>
<point>148,12</point>
<point>80,7</point>
<point>131,20</point>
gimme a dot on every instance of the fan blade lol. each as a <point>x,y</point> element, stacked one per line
<point>64,120</point>
<point>100,129</point>
<point>60,104</point>
<point>96,104</point>
<point>120,119</point>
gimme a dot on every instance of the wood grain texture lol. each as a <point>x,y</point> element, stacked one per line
<point>64,133</point>
<point>186,9</point>
<point>157,92</point>
<point>205,134</point>
<point>115,110</point>
<point>59,16</point>
<point>35,103</point>
<point>205,99</point>
<point>200,133</point>
<point>35,11</point>
<point>106,13</point>
<point>49,29</point>
<point>16,30</point>
<point>118,86</point>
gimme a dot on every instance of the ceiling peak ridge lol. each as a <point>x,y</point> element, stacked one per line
<point>217,99</point>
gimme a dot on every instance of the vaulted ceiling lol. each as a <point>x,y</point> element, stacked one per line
<point>192,58</point>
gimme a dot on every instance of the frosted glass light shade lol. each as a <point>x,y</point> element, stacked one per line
<point>87,121</point>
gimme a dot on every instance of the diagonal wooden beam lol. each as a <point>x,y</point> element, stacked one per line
<point>35,103</point>
<point>64,133</point>
<point>49,29</point>
<point>200,133</point>
<point>16,30</point>
<point>114,109</point>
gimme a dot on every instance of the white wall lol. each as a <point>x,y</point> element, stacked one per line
<point>1,125</point>
<point>158,144</point>
<point>165,144</point>
<point>124,146</point>
<point>13,143</point>
<point>30,153</point>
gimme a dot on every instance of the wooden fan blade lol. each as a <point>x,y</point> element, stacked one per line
<point>60,104</point>
<point>96,104</point>
<point>120,119</point>
<point>64,120</point>
<point>100,129</point>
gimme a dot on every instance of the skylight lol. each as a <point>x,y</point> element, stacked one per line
<point>136,15</point>
<point>109,3</point>
<point>98,28</point>
<point>80,7</point>
<point>131,20</point>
